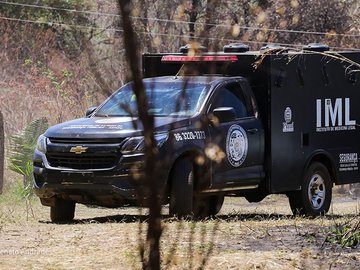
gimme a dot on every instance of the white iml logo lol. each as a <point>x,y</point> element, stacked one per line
<point>333,116</point>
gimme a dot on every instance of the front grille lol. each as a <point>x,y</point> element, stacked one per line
<point>101,153</point>
<point>83,161</point>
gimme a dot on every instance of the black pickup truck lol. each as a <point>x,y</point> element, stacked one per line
<point>288,125</point>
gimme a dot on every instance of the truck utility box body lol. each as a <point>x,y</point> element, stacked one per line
<point>307,103</point>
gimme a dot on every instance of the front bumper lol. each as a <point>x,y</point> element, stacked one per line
<point>111,187</point>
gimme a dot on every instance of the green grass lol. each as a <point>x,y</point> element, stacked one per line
<point>16,192</point>
<point>346,235</point>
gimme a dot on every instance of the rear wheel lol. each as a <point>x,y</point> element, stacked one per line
<point>62,211</point>
<point>315,197</point>
<point>257,195</point>
<point>215,204</point>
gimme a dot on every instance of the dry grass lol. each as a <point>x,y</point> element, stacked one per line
<point>242,236</point>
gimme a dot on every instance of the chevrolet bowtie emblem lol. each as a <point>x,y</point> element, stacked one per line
<point>78,149</point>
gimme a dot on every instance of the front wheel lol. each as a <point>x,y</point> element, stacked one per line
<point>181,193</point>
<point>63,211</point>
<point>208,206</point>
<point>183,200</point>
<point>314,198</point>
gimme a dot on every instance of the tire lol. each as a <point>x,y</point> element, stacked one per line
<point>257,195</point>
<point>183,203</point>
<point>207,206</point>
<point>182,189</point>
<point>215,204</point>
<point>63,211</point>
<point>314,198</point>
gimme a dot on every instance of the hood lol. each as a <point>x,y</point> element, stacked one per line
<point>111,127</point>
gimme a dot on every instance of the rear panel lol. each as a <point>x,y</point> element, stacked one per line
<point>314,110</point>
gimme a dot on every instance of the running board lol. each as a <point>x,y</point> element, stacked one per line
<point>226,189</point>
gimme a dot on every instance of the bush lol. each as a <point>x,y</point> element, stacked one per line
<point>346,235</point>
<point>21,152</point>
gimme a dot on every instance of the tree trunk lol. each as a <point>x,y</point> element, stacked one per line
<point>2,152</point>
<point>193,17</point>
<point>149,181</point>
<point>211,7</point>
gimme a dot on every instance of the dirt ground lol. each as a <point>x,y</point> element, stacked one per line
<point>243,236</point>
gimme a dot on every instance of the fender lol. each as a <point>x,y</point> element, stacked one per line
<point>322,155</point>
<point>190,150</point>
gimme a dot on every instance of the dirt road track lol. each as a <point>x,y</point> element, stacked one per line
<point>243,236</point>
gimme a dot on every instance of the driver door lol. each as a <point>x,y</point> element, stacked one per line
<point>238,140</point>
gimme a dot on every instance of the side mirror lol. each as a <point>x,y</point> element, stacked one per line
<point>225,114</point>
<point>90,110</point>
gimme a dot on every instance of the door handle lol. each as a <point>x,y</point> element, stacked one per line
<point>252,130</point>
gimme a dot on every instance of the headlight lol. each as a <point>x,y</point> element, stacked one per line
<point>133,144</point>
<point>136,144</point>
<point>161,138</point>
<point>41,144</point>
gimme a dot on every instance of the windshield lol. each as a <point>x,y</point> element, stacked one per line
<point>165,99</point>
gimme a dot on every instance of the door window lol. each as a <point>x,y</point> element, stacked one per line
<point>231,96</point>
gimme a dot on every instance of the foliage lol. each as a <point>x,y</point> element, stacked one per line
<point>346,235</point>
<point>58,21</point>
<point>15,193</point>
<point>255,22</point>
<point>87,44</point>
<point>21,151</point>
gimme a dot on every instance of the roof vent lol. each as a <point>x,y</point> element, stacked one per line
<point>187,47</point>
<point>316,47</point>
<point>236,47</point>
<point>274,48</point>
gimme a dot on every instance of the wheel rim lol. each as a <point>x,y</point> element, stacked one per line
<point>316,191</point>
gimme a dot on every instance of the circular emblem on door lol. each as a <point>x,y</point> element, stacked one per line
<point>236,145</point>
<point>288,115</point>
